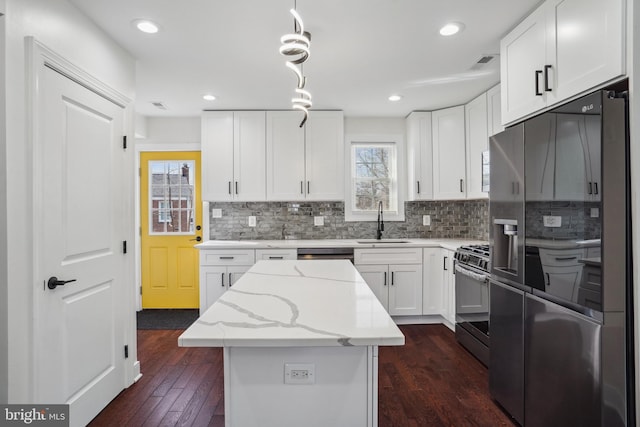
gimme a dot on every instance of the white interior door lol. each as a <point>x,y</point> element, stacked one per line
<point>79,337</point>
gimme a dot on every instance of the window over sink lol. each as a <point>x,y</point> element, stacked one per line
<point>374,176</point>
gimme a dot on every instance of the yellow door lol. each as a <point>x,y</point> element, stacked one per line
<point>171,218</point>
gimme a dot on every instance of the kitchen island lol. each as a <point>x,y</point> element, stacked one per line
<point>300,342</point>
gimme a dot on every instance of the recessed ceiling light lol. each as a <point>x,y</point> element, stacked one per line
<point>451,28</point>
<point>146,26</point>
<point>395,98</point>
<point>209,97</point>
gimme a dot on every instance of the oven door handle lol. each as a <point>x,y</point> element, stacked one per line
<point>470,273</point>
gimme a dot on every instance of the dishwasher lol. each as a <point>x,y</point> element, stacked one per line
<point>326,253</point>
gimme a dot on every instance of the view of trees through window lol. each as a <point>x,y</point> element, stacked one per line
<point>373,176</point>
<point>172,196</point>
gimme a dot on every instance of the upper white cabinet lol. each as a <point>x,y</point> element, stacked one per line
<point>563,48</point>
<point>494,111</point>
<point>477,142</point>
<point>449,170</point>
<point>305,163</point>
<point>420,156</point>
<point>233,155</point>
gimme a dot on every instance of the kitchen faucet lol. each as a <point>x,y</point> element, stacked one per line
<point>380,222</point>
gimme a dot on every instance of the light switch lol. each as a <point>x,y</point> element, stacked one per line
<point>252,221</point>
<point>318,221</point>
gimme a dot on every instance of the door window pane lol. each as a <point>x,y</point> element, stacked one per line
<point>172,196</point>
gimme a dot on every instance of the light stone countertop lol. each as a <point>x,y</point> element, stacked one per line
<point>451,244</point>
<point>295,303</point>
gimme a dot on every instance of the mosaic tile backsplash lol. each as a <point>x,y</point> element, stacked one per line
<point>466,219</point>
<point>580,220</point>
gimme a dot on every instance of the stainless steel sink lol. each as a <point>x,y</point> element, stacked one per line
<point>381,241</point>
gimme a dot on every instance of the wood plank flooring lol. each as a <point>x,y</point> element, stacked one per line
<point>431,381</point>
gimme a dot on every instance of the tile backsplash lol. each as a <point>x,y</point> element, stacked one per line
<point>467,219</point>
<point>579,220</point>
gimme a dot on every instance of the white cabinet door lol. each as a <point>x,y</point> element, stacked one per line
<point>477,141</point>
<point>377,277</point>
<point>432,281</point>
<point>448,154</point>
<point>249,156</point>
<point>420,156</point>
<point>235,272</point>
<point>217,155</point>
<point>324,156</point>
<point>572,171</point>
<point>213,283</point>
<point>522,61</point>
<point>448,288</point>
<point>285,156</point>
<point>405,290</point>
<point>588,45</point>
<point>494,119</point>
<point>233,155</point>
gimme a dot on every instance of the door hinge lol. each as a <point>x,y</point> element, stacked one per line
<point>124,246</point>
<point>124,142</point>
<point>126,351</point>
<point>140,290</point>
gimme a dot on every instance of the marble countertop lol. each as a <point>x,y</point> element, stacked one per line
<point>562,244</point>
<point>295,303</point>
<point>451,244</point>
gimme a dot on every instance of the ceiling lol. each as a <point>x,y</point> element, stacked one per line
<point>362,51</point>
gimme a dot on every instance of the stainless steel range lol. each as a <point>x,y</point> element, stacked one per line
<point>472,299</point>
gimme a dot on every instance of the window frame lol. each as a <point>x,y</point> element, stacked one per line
<point>397,140</point>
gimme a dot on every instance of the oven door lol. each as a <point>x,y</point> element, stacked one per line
<point>472,301</point>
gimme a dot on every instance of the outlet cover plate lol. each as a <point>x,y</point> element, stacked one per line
<point>552,221</point>
<point>299,373</point>
<point>318,221</point>
<point>426,220</point>
<point>216,213</point>
<point>252,221</point>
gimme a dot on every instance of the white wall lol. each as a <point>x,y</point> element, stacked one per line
<point>374,125</point>
<point>59,26</point>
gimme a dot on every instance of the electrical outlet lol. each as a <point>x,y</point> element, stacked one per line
<point>252,221</point>
<point>318,221</point>
<point>552,221</point>
<point>299,373</point>
<point>216,213</point>
<point>426,220</point>
<point>595,213</point>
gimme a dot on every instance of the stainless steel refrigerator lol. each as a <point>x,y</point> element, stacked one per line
<point>561,284</point>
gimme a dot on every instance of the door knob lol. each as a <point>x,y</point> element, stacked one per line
<point>197,239</point>
<point>53,282</point>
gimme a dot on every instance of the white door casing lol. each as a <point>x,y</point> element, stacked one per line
<point>80,223</point>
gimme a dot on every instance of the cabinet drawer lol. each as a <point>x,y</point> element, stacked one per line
<point>561,257</point>
<point>388,256</point>
<point>227,257</point>
<point>276,254</point>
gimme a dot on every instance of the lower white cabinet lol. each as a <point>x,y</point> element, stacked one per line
<point>219,270</point>
<point>432,281</point>
<point>448,295</point>
<point>398,286</point>
<point>563,271</point>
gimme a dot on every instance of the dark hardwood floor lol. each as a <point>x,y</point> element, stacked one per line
<point>431,381</point>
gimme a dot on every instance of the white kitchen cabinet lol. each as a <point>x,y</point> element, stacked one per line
<point>276,254</point>
<point>233,156</point>
<point>477,142</point>
<point>305,163</point>
<point>420,156</point>
<point>398,285</point>
<point>563,271</point>
<point>563,48</point>
<point>449,167</point>
<point>540,152</point>
<point>494,111</point>
<point>432,281</point>
<point>324,155</point>
<point>448,295</point>
<point>219,270</point>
